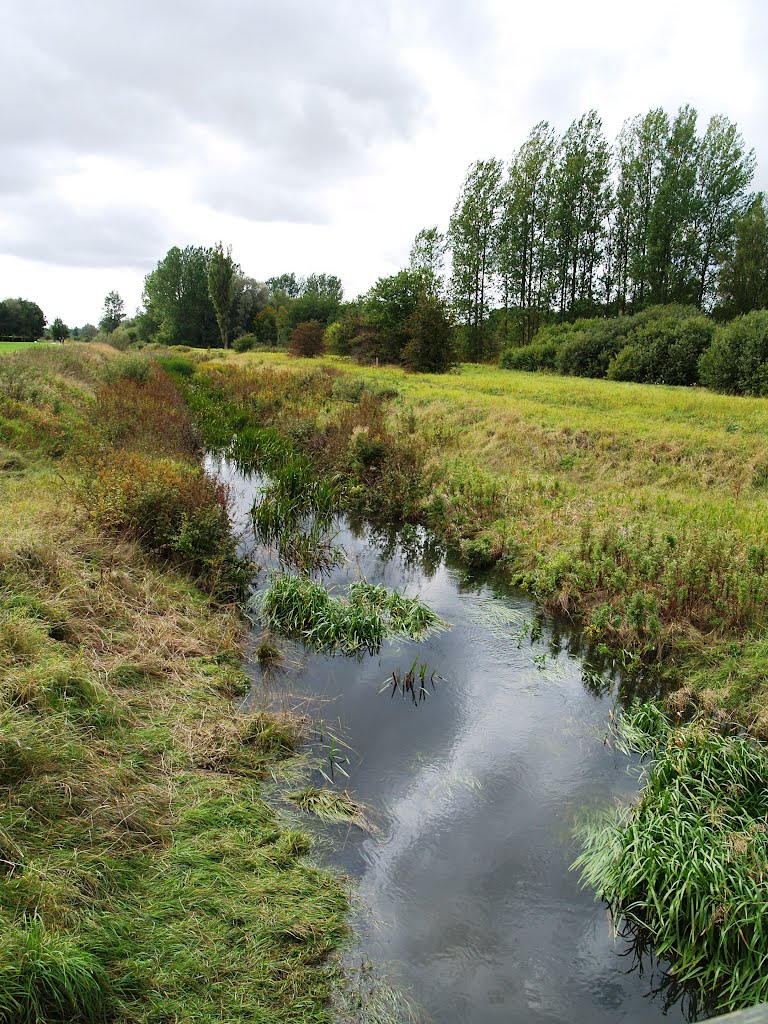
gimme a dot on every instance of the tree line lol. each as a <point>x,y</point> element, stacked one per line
<point>574,226</point>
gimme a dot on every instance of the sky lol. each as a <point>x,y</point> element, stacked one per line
<point>313,137</point>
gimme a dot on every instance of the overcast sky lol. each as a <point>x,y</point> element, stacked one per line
<point>313,136</point>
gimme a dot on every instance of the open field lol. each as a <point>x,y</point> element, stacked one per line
<point>15,346</point>
<point>641,510</point>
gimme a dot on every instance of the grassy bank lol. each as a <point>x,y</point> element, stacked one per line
<point>638,510</point>
<point>143,876</point>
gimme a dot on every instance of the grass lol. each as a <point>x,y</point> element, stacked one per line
<point>300,608</point>
<point>684,869</point>
<point>640,511</point>
<point>143,875</point>
<point>15,346</point>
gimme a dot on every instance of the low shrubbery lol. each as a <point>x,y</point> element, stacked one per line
<point>737,362</point>
<point>661,345</point>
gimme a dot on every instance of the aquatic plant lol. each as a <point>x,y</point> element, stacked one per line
<point>330,805</point>
<point>412,682</point>
<point>685,869</point>
<point>299,608</point>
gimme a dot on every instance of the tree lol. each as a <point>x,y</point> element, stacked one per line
<point>526,251</point>
<point>725,171</point>
<point>177,301</point>
<point>307,339</point>
<point>114,312</point>
<point>430,348</point>
<point>251,297</point>
<point>386,310</point>
<point>319,298</point>
<point>743,282</point>
<point>223,273</point>
<point>427,259</point>
<point>58,330</point>
<point>473,236</point>
<point>581,203</point>
<point>21,319</point>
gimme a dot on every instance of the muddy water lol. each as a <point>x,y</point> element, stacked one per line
<point>475,790</point>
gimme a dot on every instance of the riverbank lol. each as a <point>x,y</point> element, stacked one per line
<point>143,875</point>
<point>640,511</point>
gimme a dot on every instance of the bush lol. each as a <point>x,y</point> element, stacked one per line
<point>537,356</point>
<point>663,350</point>
<point>737,361</point>
<point>589,350</point>
<point>307,339</point>
<point>245,343</point>
<point>175,511</point>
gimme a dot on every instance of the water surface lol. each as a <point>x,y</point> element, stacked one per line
<point>475,791</point>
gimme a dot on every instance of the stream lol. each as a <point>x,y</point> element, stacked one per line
<point>466,894</point>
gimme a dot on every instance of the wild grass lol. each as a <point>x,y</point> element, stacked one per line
<point>639,511</point>
<point>143,876</point>
<point>684,870</point>
<point>330,805</point>
<point>300,608</point>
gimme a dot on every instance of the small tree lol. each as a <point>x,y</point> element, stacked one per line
<point>430,348</point>
<point>59,330</point>
<point>223,275</point>
<point>307,339</point>
<point>114,312</point>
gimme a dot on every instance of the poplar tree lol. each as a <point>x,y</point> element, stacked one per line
<point>222,286</point>
<point>473,236</point>
<point>743,281</point>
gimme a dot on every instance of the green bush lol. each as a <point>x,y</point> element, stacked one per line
<point>537,356</point>
<point>245,343</point>
<point>737,361</point>
<point>589,350</point>
<point>663,350</point>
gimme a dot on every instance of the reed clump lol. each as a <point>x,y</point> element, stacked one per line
<point>299,608</point>
<point>685,868</point>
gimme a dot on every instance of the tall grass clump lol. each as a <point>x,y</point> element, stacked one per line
<point>299,608</point>
<point>685,868</point>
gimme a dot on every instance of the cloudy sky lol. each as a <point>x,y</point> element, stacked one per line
<point>313,136</point>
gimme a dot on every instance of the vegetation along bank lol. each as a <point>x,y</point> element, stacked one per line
<point>143,875</point>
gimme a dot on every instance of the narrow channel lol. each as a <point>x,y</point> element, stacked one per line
<point>475,790</point>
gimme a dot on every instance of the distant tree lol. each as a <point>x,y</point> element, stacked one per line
<point>251,297</point>
<point>427,258</point>
<point>265,326</point>
<point>744,274</point>
<point>58,330</point>
<point>386,309</point>
<point>282,287</point>
<point>473,238</point>
<point>177,300</point>
<point>223,273</point>
<point>319,299</point>
<point>113,314</point>
<point>307,338</point>
<point>725,171</point>
<point>20,318</point>
<point>430,348</point>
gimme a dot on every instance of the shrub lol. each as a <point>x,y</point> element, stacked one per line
<point>307,339</point>
<point>175,511</point>
<point>737,361</point>
<point>430,338</point>
<point>537,356</point>
<point>588,351</point>
<point>663,350</point>
<point>245,343</point>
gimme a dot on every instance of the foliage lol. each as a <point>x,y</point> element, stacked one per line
<point>177,298</point>
<point>58,330</point>
<point>744,274</point>
<point>737,362</point>
<point>307,338</point>
<point>113,313</point>
<point>665,350</point>
<point>21,319</point>
<point>430,348</point>
<point>684,866</point>
<point>540,355</point>
<point>223,275</point>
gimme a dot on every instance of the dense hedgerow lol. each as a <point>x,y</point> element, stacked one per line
<point>737,362</point>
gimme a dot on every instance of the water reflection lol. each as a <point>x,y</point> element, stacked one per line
<point>476,789</point>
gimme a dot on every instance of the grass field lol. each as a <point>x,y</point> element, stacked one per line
<point>15,346</point>
<point>642,511</point>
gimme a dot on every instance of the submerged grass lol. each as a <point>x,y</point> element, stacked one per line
<point>686,868</point>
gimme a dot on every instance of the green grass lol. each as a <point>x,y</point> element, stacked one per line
<point>684,868</point>
<point>143,875</point>
<point>13,346</point>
